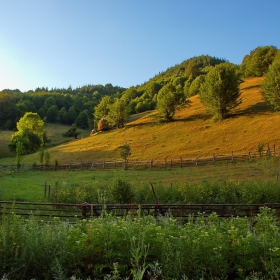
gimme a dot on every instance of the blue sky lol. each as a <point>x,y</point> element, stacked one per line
<point>57,43</point>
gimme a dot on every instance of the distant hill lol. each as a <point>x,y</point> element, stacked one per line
<point>193,133</point>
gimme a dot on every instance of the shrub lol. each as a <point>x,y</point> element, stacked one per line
<point>122,192</point>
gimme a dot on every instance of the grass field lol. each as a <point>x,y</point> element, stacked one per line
<point>29,185</point>
<point>54,133</point>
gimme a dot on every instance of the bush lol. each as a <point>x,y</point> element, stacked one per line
<point>122,192</point>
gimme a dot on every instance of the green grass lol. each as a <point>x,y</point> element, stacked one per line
<point>29,185</point>
<point>206,247</point>
<point>54,133</point>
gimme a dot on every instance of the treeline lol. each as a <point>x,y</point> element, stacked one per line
<point>66,106</point>
<point>86,105</point>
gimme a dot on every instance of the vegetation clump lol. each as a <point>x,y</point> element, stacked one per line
<point>271,85</point>
<point>204,247</point>
<point>30,133</point>
<point>219,92</point>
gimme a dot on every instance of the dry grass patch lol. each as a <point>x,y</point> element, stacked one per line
<point>192,133</point>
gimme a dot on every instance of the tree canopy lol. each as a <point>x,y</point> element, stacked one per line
<point>271,85</point>
<point>258,61</point>
<point>118,113</point>
<point>219,92</point>
<point>170,99</point>
<point>30,133</point>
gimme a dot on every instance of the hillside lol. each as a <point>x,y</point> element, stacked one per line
<point>193,133</point>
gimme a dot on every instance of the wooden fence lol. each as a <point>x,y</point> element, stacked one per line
<point>167,163</point>
<point>72,212</point>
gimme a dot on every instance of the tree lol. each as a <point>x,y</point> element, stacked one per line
<point>7,109</point>
<point>82,120</point>
<point>257,63</point>
<point>102,108</point>
<point>31,122</point>
<point>47,157</point>
<point>219,93</point>
<point>49,102</point>
<point>72,132</point>
<point>118,113</point>
<point>63,116</point>
<point>195,85</point>
<point>171,98</point>
<point>52,114</point>
<point>30,133</point>
<point>19,151</point>
<point>271,85</point>
<point>125,151</point>
<point>71,115</point>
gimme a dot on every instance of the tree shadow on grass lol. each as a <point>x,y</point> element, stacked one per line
<point>260,108</point>
<point>250,87</point>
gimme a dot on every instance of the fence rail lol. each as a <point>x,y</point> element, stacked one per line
<point>167,163</point>
<point>82,211</point>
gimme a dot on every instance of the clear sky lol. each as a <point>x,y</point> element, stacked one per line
<point>57,43</point>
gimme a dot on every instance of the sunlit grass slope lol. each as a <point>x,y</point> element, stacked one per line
<point>54,133</point>
<point>193,133</point>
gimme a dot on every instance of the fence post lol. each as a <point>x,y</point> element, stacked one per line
<point>92,166</point>
<point>81,166</point>
<point>274,150</point>
<point>196,161</point>
<point>181,162</point>
<point>232,156</point>
<point>214,158</point>
<point>249,154</point>
<point>165,163</point>
<point>268,151</point>
<point>49,193</point>
<point>151,164</point>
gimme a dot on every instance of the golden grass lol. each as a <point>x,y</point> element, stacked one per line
<point>193,133</point>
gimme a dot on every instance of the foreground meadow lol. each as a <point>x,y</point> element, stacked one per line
<point>142,247</point>
<point>204,247</point>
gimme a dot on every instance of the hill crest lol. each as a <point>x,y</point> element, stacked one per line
<point>193,133</point>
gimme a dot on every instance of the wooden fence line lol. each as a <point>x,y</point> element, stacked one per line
<point>167,163</point>
<point>85,210</point>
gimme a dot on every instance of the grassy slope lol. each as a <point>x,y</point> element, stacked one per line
<point>193,133</point>
<point>54,132</point>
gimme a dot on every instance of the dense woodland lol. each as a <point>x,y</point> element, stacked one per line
<point>85,106</point>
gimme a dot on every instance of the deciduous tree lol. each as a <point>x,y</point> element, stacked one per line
<point>257,63</point>
<point>118,113</point>
<point>72,132</point>
<point>30,133</point>
<point>171,98</point>
<point>102,108</point>
<point>219,93</point>
<point>271,85</point>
